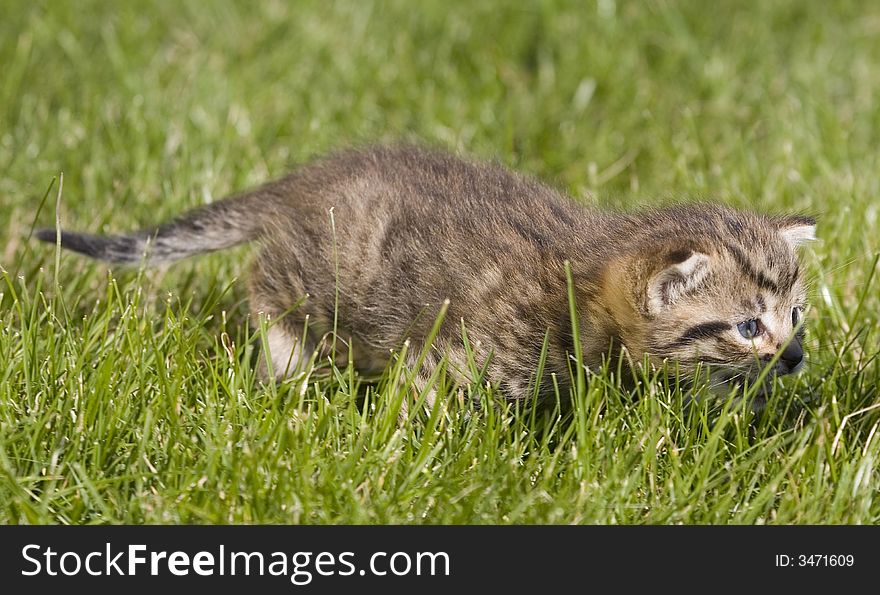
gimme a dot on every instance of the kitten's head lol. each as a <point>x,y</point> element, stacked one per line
<point>728,296</point>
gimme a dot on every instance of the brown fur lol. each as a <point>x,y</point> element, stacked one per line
<point>415,227</point>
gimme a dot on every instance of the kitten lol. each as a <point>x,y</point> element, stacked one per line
<point>382,238</point>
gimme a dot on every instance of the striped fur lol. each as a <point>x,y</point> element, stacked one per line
<point>415,228</point>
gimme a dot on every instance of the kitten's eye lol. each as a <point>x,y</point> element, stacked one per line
<point>749,329</point>
<point>796,315</point>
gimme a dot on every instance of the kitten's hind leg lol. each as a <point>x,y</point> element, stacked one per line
<point>284,346</point>
<point>283,349</point>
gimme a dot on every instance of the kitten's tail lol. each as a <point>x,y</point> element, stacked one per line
<point>223,224</point>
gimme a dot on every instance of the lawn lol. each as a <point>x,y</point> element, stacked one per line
<point>129,396</point>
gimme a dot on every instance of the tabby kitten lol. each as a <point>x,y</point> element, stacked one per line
<point>384,237</point>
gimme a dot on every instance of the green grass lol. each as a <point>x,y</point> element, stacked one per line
<point>130,396</point>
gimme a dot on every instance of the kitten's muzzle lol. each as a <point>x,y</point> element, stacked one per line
<point>791,359</point>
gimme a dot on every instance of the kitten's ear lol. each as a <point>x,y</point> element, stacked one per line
<point>682,270</point>
<point>797,229</point>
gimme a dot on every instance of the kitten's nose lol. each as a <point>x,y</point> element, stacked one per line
<point>792,356</point>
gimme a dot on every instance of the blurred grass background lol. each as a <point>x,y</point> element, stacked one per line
<point>149,108</point>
